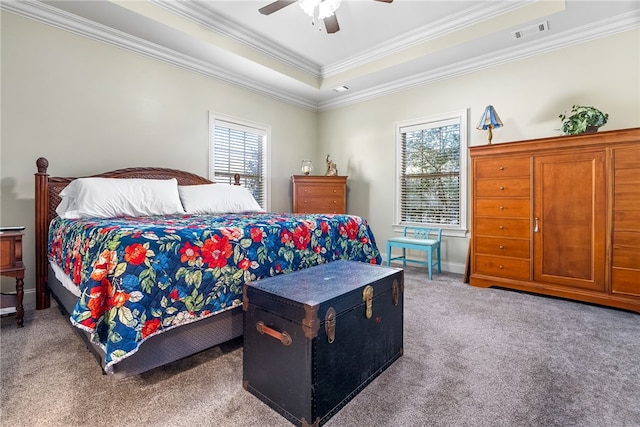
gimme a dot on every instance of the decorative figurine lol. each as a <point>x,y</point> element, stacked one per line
<point>332,169</point>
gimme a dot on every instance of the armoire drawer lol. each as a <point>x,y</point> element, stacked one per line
<point>503,246</point>
<point>503,167</point>
<point>515,208</point>
<point>506,227</point>
<point>624,281</point>
<point>512,268</point>
<point>512,187</point>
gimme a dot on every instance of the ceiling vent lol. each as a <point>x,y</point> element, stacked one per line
<point>531,30</point>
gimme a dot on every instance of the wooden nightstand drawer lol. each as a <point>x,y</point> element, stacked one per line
<point>6,254</point>
<point>503,246</point>
<point>11,265</point>
<point>516,208</point>
<point>506,227</point>
<point>503,167</point>
<point>503,267</point>
<point>513,187</point>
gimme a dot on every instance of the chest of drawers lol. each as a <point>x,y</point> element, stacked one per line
<point>319,194</point>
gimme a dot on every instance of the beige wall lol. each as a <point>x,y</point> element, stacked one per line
<point>90,107</point>
<point>528,94</point>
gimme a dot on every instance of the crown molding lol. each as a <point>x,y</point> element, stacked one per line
<point>49,15</point>
<point>234,30</point>
<point>606,27</point>
<point>466,18</point>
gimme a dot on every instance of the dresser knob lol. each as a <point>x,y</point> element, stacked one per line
<point>501,227</point>
<point>501,188</point>
<point>501,168</point>
<point>335,191</point>
<point>501,267</point>
<point>501,208</point>
<point>335,203</point>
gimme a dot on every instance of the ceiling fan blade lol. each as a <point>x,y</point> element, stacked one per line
<point>275,6</point>
<point>331,24</point>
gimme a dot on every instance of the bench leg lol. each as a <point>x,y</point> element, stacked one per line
<point>388,254</point>
<point>429,261</point>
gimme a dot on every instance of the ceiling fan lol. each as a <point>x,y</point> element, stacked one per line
<point>326,10</point>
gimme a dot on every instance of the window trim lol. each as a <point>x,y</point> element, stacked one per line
<point>460,116</point>
<point>239,123</point>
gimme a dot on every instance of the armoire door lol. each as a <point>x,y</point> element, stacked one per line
<point>569,219</point>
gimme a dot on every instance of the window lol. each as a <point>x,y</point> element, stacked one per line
<point>239,147</point>
<point>431,171</point>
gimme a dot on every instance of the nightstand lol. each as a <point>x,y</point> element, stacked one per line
<point>11,265</point>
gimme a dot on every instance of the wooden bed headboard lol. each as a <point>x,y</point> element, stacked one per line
<point>47,198</point>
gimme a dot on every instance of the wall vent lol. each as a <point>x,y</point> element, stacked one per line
<point>531,30</point>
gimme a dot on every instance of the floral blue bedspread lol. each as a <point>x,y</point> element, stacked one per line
<point>138,277</point>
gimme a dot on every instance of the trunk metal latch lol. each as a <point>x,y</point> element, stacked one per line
<point>330,324</point>
<point>367,297</point>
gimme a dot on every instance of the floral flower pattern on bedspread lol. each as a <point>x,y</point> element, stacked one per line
<point>138,277</point>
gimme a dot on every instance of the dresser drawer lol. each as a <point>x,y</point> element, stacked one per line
<point>320,191</point>
<point>503,267</point>
<point>503,167</point>
<point>503,246</point>
<point>516,208</point>
<point>505,227</point>
<point>311,205</point>
<point>510,187</point>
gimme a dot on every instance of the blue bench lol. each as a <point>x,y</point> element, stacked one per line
<point>421,239</point>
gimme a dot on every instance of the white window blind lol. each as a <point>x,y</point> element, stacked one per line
<point>240,149</point>
<point>430,172</point>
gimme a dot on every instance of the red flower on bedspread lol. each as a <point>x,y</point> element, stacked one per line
<point>189,253</point>
<point>301,237</point>
<point>150,326</point>
<point>135,254</point>
<point>216,250</point>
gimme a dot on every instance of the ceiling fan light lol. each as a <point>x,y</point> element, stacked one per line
<point>325,8</point>
<point>308,6</point>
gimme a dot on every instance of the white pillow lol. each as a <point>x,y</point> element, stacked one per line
<point>115,197</point>
<point>217,199</point>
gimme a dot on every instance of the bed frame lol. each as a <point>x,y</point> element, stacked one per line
<point>160,349</point>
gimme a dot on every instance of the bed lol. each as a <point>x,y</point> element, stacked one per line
<point>144,291</point>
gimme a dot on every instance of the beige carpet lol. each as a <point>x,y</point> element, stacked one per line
<point>472,357</point>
